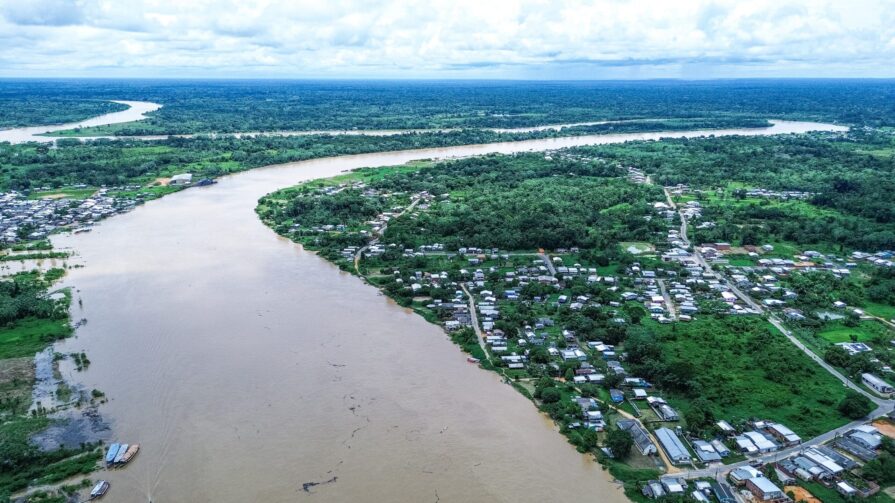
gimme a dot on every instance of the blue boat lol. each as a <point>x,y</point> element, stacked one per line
<point>120,455</point>
<point>112,452</point>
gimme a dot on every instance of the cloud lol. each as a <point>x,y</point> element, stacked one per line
<point>448,38</point>
<point>43,12</point>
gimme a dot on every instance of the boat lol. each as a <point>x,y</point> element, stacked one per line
<point>99,489</point>
<point>112,452</point>
<point>121,452</point>
<point>81,230</point>
<point>130,453</point>
<point>470,359</point>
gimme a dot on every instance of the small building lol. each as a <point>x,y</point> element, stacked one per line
<point>639,436</point>
<point>722,492</point>
<point>762,442</point>
<point>181,179</point>
<point>765,490</point>
<point>877,384</point>
<point>672,446</point>
<point>783,434</point>
<point>653,489</point>
<point>705,451</point>
<point>845,489</point>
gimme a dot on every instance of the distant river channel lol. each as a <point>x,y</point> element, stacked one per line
<point>251,370</point>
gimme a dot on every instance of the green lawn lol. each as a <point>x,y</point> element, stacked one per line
<point>68,193</point>
<point>829,495</point>
<point>866,331</point>
<point>27,337</point>
<point>881,310</point>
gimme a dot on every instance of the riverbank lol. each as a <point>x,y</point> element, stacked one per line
<point>45,430</point>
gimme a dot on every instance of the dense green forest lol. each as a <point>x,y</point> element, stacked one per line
<point>108,162</point>
<point>31,110</point>
<point>852,177</point>
<point>246,105</point>
<point>515,202</point>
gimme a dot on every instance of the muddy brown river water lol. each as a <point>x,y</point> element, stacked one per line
<point>247,367</point>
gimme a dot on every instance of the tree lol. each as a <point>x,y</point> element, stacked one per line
<point>836,356</point>
<point>855,405</point>
<point>619,442</point>
<point>550,395</point>
<point>699,416</point>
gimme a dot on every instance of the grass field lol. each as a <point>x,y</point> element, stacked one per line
<point>746,369</point>
<point>27,337</point>
<point>866,331</point>
<point>63,193</point>
<point>881,310</point>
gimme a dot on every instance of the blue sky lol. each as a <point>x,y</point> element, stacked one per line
<point>601,39</point>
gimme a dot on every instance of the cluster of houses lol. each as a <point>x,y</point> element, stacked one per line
<point>881,258</point>
<point>776,194</point>
<point>702,492</point>
<point>835,464</point>
<point>23,219</point>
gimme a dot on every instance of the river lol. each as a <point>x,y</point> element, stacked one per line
<point>136,112</point>
<point>247,367</point>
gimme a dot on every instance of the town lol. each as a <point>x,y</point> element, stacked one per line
<point>531,316</point>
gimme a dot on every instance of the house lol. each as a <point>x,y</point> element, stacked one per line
<point>763,443</point>
<point>783,434</point>
<point>672,446</point>
<point>616,395</point>
<point>845,489</point>
<point>877,384</point>
<point>706,451</point>
<point>639,435</point>
<point>720,448</point>
<point>653,489</point>
<point>722,492</point>
<point>740,475</point>
<point>765,490</point>
<point>867,436</point>
<point>674,487</point>
<point>181,179</point>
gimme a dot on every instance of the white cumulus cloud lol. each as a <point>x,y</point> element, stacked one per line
<point>447,38</point>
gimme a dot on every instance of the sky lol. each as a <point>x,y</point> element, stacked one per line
<point>475,39</point>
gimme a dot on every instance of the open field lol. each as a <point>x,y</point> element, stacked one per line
<point>866,331</point>
<point>28,336</point>
<point>63,193</point>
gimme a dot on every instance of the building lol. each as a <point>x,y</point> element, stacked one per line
<point>181,179</point>
<point>705,451</point>
<point>877,384</point>
<point>672,446</point>
<point>639,435</point>
<point>783,434</point>
<point>722,492</point>
<point>765,490</point>
<point>760,441</point>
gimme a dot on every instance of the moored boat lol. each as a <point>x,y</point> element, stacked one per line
<point>99,489</point>
<point>121,451</point>
<point>470,359</point>
<point>112,452</point>
<point>130,453</point>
